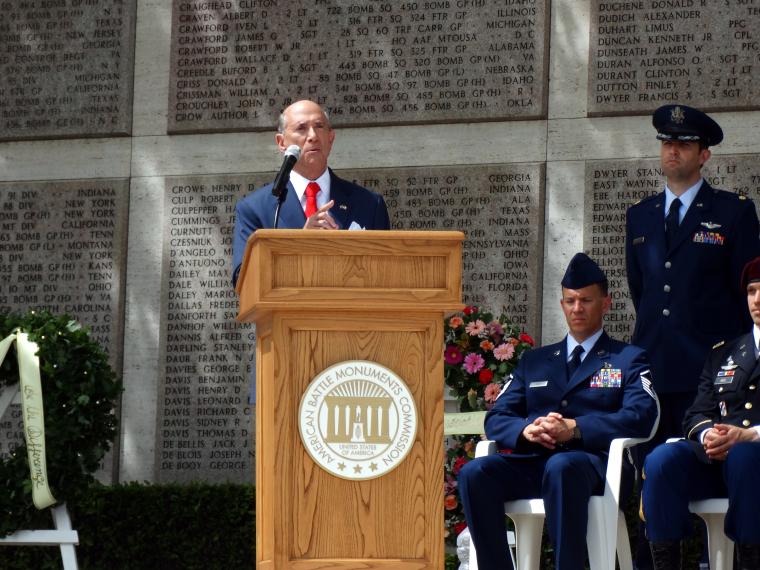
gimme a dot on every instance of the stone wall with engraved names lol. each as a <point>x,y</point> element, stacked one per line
<point>204,420</point>
<point>648,53</point>
<point>66,68</point>
<point>500,209</point>
<point>236,64</point>
<point>63,249</point>
<point>614,185</point>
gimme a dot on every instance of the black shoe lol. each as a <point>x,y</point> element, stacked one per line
<point>666,555</point>
<point>748,556</point>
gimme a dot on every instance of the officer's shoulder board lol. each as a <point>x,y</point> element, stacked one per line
<point>731,196</point>
<point>647,199</point>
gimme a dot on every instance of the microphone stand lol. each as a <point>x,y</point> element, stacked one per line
<point>280,200</point>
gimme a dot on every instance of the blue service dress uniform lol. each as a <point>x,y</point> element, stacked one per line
<point>609,396</point>
<point>353,203</point>
<point>687,295</point>
<point>676,473</point>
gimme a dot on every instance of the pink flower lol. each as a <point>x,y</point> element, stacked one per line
<point>456,322</point>
<point>473,362</point>
<point>503,351</point>
<point>492,391</point>
<point>453,355</point>
<point>475,328</point>
<point>495,328</point>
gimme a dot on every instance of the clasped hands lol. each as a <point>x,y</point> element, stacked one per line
<point>549,430</point>
<point>720,438</point>
<point>321,219</point>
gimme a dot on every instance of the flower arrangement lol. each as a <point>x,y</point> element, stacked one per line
<point>480,353</point>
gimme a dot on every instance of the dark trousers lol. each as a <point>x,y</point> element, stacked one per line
<point>564,480</point>
<point>676,473</point>
<point>673,407</point>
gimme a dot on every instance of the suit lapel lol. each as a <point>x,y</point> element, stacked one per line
<point>656,230</point>
<point>694,216</point>
<point>744,356</point>
<point>557,363</point>
<point>341,211</point>
<point>291,213</point>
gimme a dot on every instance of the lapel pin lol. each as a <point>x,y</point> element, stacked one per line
<point>557,353</point>
<point>343,207</point>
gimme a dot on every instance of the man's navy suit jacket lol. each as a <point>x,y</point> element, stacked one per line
<point>352,204</point>
<point>687,297</point>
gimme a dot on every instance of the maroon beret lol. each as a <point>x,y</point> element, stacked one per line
<point>750,273</point>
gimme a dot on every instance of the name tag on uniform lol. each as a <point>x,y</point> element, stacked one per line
<point>539,384</point>
<point>709,238</point>
<point>607,378</point>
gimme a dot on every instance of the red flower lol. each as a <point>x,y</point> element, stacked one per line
<point>485,376</point>
<point>470,310</point>
<point>527,339</point>
<point>459,527</point>
<point>458,464</point>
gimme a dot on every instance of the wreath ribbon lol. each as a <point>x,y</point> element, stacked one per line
<point>34,419</point>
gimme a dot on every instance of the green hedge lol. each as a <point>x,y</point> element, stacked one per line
<point>165,527</point>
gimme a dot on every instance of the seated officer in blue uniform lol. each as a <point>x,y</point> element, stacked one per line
<point>553,423</point>
<point>721,454</point>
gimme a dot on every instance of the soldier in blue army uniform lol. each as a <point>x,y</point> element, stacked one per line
<point>553,423</point>
<point>721,454</point>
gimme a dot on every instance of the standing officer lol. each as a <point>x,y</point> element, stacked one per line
<point>553,423</point>
<point>721,455</point>
<point>685,250</point>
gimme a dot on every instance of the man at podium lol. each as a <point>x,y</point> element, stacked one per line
<point>553,423</point>
<point>315,198</point>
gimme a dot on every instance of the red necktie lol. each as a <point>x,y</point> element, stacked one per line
<point>312,189</point>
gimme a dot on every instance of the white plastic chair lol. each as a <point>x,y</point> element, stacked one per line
<point>721,548</point>
<point>606,531</point>
<point>713,512</point>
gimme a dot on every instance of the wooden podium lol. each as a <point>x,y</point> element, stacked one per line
<point>320,298</point>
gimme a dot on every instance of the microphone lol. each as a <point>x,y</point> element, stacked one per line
<point>292,154</point>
